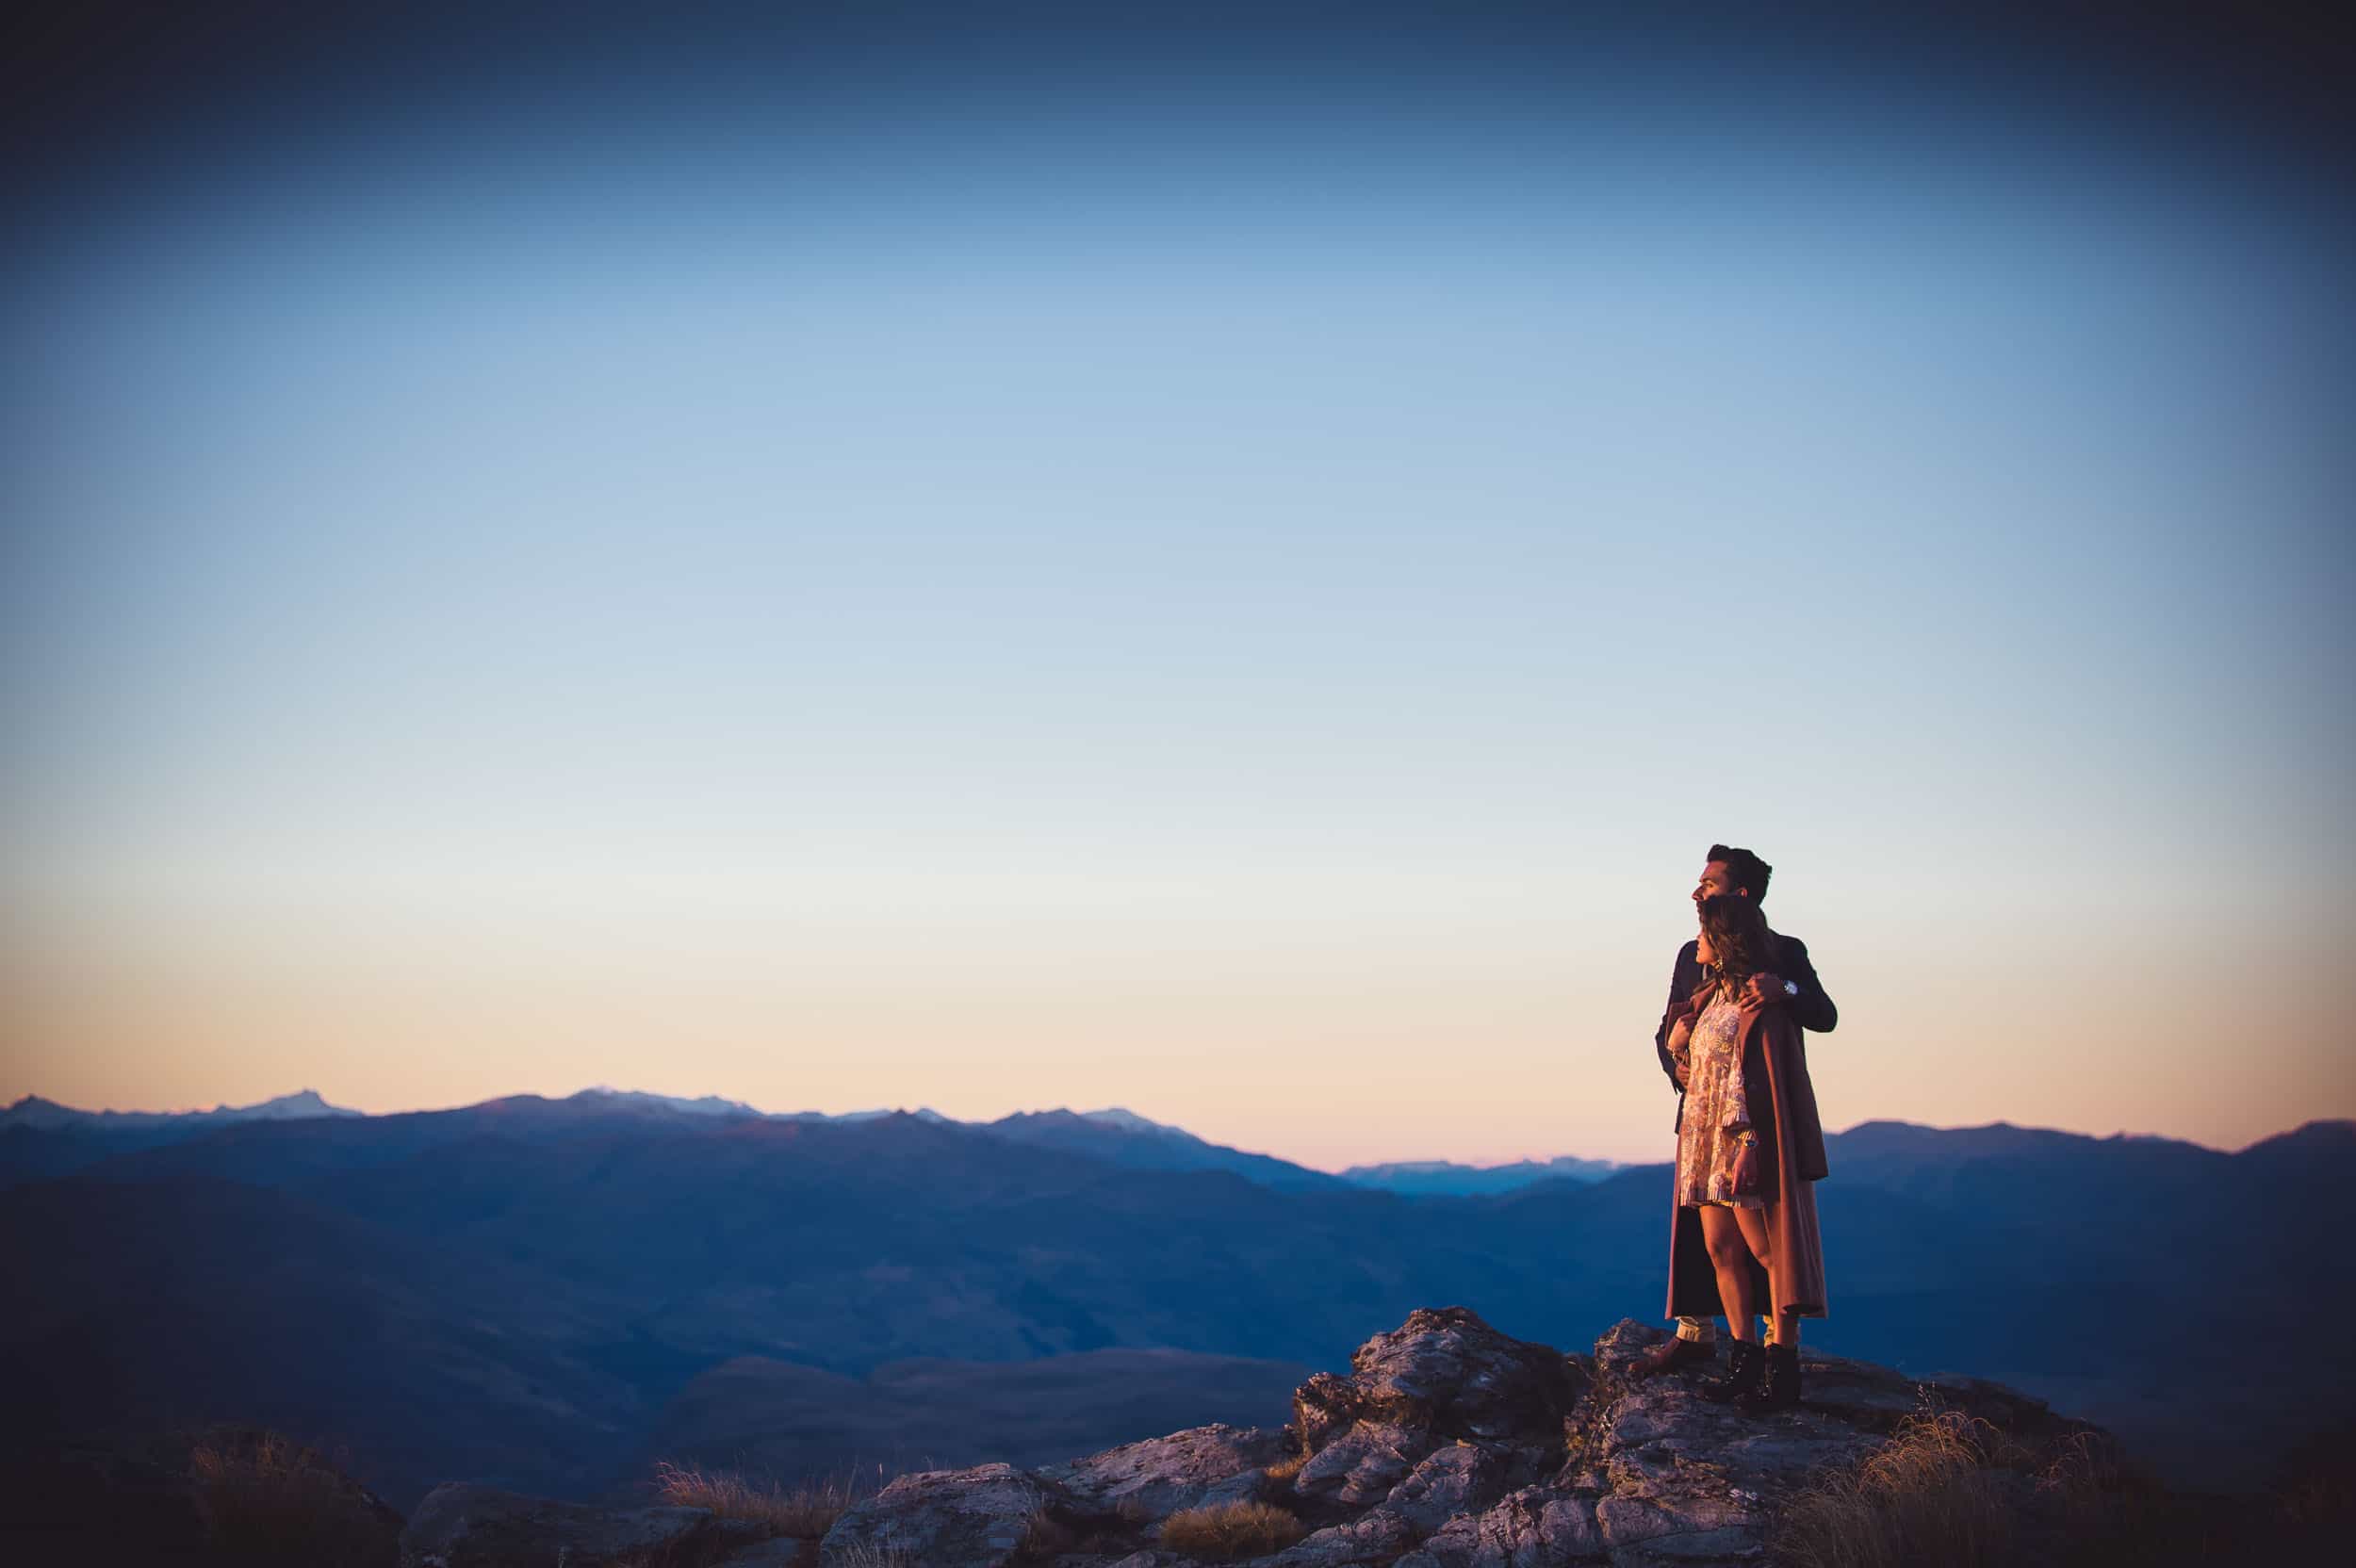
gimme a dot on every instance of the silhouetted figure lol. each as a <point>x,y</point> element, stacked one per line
<point>1784,981</point>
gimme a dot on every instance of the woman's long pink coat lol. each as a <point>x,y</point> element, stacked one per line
<point>1775,1070</point>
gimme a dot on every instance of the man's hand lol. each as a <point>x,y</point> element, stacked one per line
<point>1765,990</point>
<point>1684,1066</point>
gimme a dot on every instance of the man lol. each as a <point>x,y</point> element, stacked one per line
<point>1734,873</point>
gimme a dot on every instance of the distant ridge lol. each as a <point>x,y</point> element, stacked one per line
<point>709,1104</point>
<point>1418,1177</point>
<point>1118,1116</point>
<point>1122,1137</point>
<point>1115,1134</point>
<point>48,1115</point>
<point>923,1113</point>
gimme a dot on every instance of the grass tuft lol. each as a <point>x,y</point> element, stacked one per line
<point>1948,1491</point>
<point>1230,1531</point>
<point>268,1501</point>
<point>1942,1493</point>
<point>806,1510</point>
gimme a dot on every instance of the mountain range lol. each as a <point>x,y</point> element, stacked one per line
<point>1116,1134</point>
<point>551,1294</point>
<point>48,1115</point>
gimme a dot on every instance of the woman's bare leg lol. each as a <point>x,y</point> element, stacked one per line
<point>1730,1259</point>
<point>1756,1236</point>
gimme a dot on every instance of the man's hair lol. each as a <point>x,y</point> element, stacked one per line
<point>1743,870</point>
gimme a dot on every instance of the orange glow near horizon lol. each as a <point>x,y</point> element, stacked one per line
<point>1377,1041</point>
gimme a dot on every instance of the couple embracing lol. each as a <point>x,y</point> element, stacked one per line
<point>1743,1242</point>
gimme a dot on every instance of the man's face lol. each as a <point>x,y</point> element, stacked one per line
<point>1714,880</point>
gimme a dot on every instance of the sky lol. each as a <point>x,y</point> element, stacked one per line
<point>996,561</point>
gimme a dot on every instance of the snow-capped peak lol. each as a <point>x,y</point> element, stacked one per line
<point>1127,1120</point>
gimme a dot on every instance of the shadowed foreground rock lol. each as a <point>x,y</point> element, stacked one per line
<point>1448,1445</point>
<point>206,1498</point>
<point>464,1526</point>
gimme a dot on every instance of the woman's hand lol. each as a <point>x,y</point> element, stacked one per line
<point>1743,1176</point>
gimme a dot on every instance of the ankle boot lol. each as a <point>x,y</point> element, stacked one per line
<point>1742,1375</point>
<point>1668,1357</point>
<point>1781,1389</point>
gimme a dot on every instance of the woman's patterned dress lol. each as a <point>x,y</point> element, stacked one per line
<point>1715,1106</point>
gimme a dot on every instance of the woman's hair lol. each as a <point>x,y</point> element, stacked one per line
<point>1739,938</point>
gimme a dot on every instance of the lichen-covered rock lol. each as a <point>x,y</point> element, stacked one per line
<point>1445,1371</point>
<point>1436,1419</point>
<point>460,1525</point>
<point>1463,1478</point>
<point>1538,1526</point>
<point>974,1518</point>
<point>1201,1467</point>
<point>1362,1464</point>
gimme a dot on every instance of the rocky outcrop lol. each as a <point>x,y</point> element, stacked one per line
<point>982,1515</point>
<point>1448,1445</point>
<point>1162,1475</point>
<point>1679,1478</point>
<point>1439,1414</point>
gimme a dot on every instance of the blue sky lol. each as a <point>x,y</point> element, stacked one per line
<point>1235,591</point>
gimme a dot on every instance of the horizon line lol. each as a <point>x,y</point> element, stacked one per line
<point>874,1112</point>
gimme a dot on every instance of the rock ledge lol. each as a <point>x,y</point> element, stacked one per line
<point>1448,1445</point>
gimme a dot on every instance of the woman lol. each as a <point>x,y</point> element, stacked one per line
<point>1743,1238</point>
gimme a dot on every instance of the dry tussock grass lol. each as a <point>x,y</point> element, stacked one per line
<point>1944,1492</point>
<point>806,1510</point>
<point>1950,1491</point>
<point>2316,1486</point>
<point>1230,1531</point>
<point>268,1501</point>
